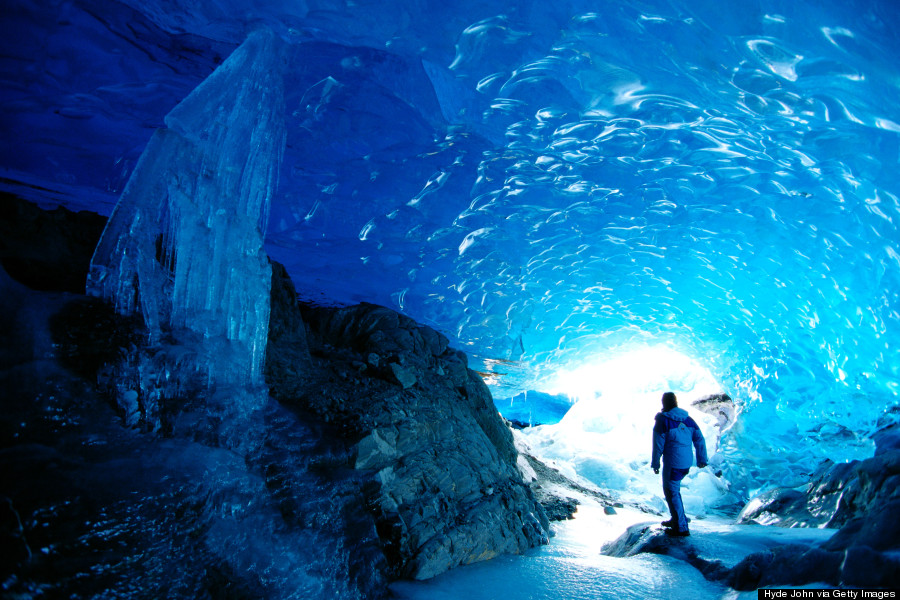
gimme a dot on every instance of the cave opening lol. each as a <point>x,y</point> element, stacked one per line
<point>604,436</point>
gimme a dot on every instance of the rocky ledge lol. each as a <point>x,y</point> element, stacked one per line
<point>442,481</point>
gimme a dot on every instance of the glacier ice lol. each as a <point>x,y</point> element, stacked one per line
<point>184,245</point>
<point>544,183</point>
<point>547,184</point>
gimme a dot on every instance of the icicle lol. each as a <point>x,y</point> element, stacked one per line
<point>184,245</point>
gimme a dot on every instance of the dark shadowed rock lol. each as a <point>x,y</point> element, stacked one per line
<point>436,462</point>
<point>868,506</point>
<point>371,328</point>
<point>790,564</point>
<point>286,326</point>
<point>47,250</point>
<point>864,567</point>
<point>887,439</point>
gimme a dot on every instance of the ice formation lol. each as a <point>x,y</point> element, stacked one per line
<point>184,246</point>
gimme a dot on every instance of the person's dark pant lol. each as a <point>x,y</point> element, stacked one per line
<point>671,483</point>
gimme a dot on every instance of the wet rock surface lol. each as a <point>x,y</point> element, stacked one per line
<point>651,538</point>
<point>765,561</point>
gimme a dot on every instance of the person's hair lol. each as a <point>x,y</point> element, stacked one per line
<point>669,401</point>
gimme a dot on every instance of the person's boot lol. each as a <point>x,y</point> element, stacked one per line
<point>672,523</point>
<point>675,532</point>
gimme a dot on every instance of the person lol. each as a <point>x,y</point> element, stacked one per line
<point>673,435</point>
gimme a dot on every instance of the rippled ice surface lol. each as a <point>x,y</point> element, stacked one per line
<point>572,568</point>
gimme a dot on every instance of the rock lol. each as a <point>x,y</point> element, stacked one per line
<point>864,567</point>
<point>381,480</point>
<point>878,528</point>
<point>779,506</point>
<point>859,497</point>
<point>368,327</point>
<point>47,250</point>
<point>864,508</point>
<point>649,537</point>
<point>790,564</point>
<point>720,406</point>
<point>288,360</point>
<point>405,376</point>
<point>887,439</point>
<point>286,325</point>
<point>436,463</point>
<point>557,494</point>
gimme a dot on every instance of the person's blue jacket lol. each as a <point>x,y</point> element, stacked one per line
<point>673,435</point>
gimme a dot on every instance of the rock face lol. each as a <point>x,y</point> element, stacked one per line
<point>799,564</point>
<point>440,464</point>
<point>47,250</point>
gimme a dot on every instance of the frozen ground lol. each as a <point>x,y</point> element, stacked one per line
<point>572,567</point>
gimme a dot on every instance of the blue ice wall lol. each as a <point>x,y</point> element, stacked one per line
<point>543,182</point>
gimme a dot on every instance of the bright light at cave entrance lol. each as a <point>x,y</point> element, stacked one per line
<point>651,371</point>
<point>605,436</point>
<point>618,396</point>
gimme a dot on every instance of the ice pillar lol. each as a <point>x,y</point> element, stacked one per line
<point>184,245</point>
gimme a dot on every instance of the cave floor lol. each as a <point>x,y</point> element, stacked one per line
<point>572,566</point>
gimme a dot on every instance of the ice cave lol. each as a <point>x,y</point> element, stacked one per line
<point>361,300</point>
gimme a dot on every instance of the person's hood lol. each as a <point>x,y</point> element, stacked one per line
<point>676,414</point>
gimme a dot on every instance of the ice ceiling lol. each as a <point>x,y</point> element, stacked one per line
<point>544,182</point>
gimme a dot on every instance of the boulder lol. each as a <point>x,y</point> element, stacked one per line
<point>436,462</point>
<point>868,510</point>
<point>789,564</point>
<point>647,537</point>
